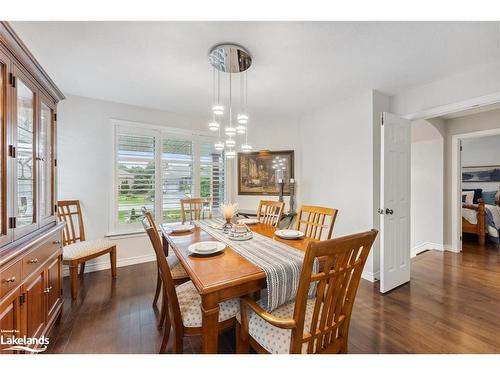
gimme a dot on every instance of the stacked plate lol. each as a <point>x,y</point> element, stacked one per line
<point>180,228</point>
<point>206,247</point>
<point>248,221</point>
<point>289,234</point>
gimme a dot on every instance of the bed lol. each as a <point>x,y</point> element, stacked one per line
<point>482,216</point>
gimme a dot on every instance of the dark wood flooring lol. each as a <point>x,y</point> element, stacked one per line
<point>451,305</point>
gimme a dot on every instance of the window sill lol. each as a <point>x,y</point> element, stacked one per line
<point>122,235</point>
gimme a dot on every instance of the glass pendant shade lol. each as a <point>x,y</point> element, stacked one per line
<point>230,131</point>
<point>241,129</point>
<point>242,118</point>
<point>246,147</point>
<point>218,110</point>
<point>230,142</point>
<point>219,146</point>
<point>213,126</point>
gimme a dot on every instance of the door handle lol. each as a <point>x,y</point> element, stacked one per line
<point>388,211</point>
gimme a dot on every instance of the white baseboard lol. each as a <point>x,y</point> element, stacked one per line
<point>426,246</point>
<point>370,276</point>
<point>123,262</point>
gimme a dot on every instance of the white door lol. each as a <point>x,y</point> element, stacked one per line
<point>395,202</point>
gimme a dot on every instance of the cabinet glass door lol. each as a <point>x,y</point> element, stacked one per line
<point>45,163</point>
<point>5,232</point>
<point>25,151</point>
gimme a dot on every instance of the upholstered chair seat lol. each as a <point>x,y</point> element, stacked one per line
<point>190,301</point>
<point>85,248</point>
<point>178,272</point>
<point>276,340</point>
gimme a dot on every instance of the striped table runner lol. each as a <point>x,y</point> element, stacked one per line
<point>281,263</point>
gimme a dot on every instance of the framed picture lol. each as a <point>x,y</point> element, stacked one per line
<point>481,174</point>
<point>259,172</point>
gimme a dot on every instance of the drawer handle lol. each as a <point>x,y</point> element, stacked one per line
<point>47,290</point>
<point>33,261</point>
<point>56,242</point>
<point>10,280</point>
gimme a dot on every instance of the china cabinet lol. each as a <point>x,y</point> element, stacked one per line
<point>30,237</point>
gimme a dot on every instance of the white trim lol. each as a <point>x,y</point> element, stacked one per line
<point>456,184</point>
<point>104,264</point>
<point>455,107</point>
<point>426,246</point>
<point>370,276</point>
<point>163,128</point>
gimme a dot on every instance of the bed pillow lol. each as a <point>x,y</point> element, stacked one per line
<point>467,197</point>
<point>489,197</point>
<point>477,194</point>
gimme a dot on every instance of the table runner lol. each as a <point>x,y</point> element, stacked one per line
<point>281,263</point>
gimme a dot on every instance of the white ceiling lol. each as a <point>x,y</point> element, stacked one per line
<point>298,66</point>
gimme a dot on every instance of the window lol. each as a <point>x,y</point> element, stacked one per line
<point>156,168</point>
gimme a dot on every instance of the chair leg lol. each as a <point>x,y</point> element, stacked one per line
<point>242,345</point>
<point>82,268</point>
<point>112,258</point>
<point>158,287</point>
<point>166,335</point>
<point>73,273</point>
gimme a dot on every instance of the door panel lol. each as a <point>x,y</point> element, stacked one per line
<point>395,202</point>
<point>45,161</point>
<point>10,319</point>
<point>36,311</point>
<point>53,284</point>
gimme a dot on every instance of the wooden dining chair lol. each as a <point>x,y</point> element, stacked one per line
<point>76,249</point>
<point>270,212</point>
<point>179,274</point>
<point>310,325</point>
<point>196,209</point>
<point>313,219</point>
<point>183,302</point>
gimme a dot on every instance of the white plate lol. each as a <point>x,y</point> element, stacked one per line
<point>178,228</point>
<point>241,236</point>
<point>206,247</point>
<point>248,221</point>
<point>289,234</point>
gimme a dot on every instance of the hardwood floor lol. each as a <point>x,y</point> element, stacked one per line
<point>451,305</point>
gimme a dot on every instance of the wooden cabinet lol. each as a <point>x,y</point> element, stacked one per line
<point>30,238</point>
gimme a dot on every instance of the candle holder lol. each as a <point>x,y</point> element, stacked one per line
<point>292,196</point>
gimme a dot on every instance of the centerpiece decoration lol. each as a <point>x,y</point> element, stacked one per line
<point>228,210</point>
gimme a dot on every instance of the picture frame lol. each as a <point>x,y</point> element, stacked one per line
<point>482,173</point>
<point>259,172</point>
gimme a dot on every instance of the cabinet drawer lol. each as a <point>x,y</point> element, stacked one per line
<point>40,254</point>
<point>10,278</point>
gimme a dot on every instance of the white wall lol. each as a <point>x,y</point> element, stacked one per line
<point>478,152</point>
<point>339,144</point>
<point>85,165</point>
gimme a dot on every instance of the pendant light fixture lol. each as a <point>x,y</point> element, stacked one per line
<point>230,58</point>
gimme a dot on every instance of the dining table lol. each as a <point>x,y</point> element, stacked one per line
<point>222,276</point>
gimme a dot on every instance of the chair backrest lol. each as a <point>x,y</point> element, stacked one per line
<point>165,273</point>
<point>337,284</point>
<point>269,212</point>
<point>196,209</point>
<point>70,212</point>
<point>313,219</point>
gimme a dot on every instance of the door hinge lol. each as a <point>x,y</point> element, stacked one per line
<point>55,208</point>
<point>12,80</point>
<point>55,162</point>
<point>382,118</point>
<point>55,117</point>
<point>12,151</point>
<point>460,148</point>
<point>22,299</point>
<point>12,222</point>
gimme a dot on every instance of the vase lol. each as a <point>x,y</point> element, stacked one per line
<point>227,226</point>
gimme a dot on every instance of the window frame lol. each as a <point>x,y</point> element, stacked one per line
<point>197,137</point>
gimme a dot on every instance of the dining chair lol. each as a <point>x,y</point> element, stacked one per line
<point>196,209</point>
<point>310,325</point>
<point>313,219</point>
<point>183,302</point>
<point>179,274</point>
<point>76,248</point>
<point>270,212</point>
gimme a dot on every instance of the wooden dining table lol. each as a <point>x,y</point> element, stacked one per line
<point>221,276</point>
